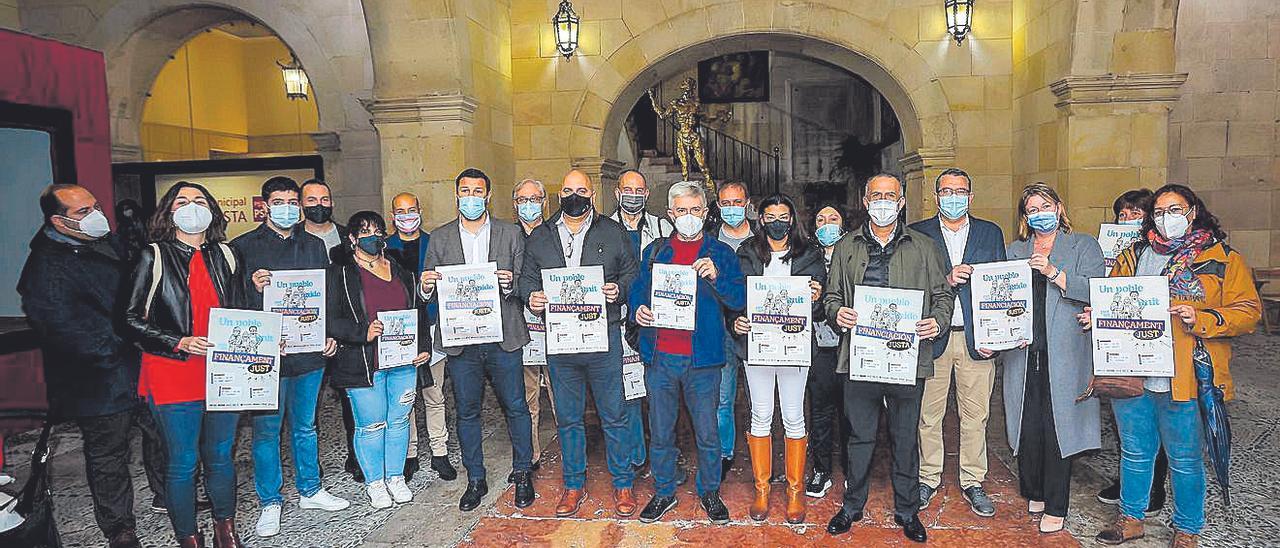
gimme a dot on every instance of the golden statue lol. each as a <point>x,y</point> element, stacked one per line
<point>685,110</point>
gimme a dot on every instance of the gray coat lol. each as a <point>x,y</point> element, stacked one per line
<point>1078,425</point>
<point>506,247</point>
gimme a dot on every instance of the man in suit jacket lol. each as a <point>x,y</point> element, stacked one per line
<point>964,240</point>
<point>475,237</point>
<point>576,237</point>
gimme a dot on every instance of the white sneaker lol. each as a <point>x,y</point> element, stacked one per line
<point>322,500</point>
<point>269,521</point>
<point>379,498</point>
<point>399,491</point>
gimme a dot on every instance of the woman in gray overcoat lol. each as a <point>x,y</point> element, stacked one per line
<point>1045,424</point>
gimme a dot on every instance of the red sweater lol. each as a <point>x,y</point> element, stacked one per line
<point>166,380</point>
<point>675,341</point>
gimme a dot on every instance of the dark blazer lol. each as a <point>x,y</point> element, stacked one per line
<point>984,245</point>
<point>156,322</point>
<point>810,263</point>
<point>355,361</point>
<point>606,244</point>
<point>506,247</point>
<point>71,296</point>
<point>395,246</point>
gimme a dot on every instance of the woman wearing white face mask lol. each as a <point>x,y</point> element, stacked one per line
<point>1213,299</point>
<point>187,270</point>
<point>1046,425</point>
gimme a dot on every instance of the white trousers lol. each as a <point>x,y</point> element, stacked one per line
<point>789,382</point>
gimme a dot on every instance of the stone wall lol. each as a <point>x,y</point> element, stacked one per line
<point>9,15</point>
<point>1223,132</point>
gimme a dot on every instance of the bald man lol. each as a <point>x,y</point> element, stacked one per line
<point>577,237</point>
<point>409,243</point>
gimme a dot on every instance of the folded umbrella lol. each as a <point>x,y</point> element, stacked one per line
<point>1217,423</point>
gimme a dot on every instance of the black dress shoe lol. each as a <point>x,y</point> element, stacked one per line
<point>524,489</point>
<point>912,529</point>
<point>411,466</point>
<point>682,475</point>
<point>725,465</point>
<point>657,506</point>
<point>843,521</point>
<point>714,507</point>
<point>476,490</point>
<point>535,466</point>
<point>353,467</point>
<point>443,467</point>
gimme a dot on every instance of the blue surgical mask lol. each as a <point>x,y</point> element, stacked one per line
<point>829,234</point>
<point>733,215</point>
<point>285,215</point>
<point>1132,222</point>
<point>1043,221</point>
<point>953,207</point>
<point>529,211</point>
<point>471,207</point>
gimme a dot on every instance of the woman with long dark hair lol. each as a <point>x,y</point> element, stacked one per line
<point>827,431</point>
<point>781,249</point>
<point>185,271</point>
<point>361,284</point>
<point>1212,299</point>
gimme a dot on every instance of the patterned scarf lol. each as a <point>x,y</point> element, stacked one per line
<point>1183,284</point>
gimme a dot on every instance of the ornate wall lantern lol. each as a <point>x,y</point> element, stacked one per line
<point>959,18</point>
<point>296,85</point>
<point>566,25</point>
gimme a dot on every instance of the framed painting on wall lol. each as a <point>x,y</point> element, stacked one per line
<point>741,77</point>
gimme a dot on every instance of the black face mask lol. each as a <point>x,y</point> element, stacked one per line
<point>575,205</point>
<point>318,213</point>
<point>777,230</point>
<point>372,244</point>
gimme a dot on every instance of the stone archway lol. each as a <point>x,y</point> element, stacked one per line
<point>137,38</point>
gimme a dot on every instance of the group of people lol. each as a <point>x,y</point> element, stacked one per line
<point>139,332</point>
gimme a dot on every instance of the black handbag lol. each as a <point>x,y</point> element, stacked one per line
<point>35,505</point>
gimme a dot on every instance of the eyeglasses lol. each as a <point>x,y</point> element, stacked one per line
<point>948,192</point>
<point>530,200</point>
<point>1176,210</point>
<point>696,211</point>
<point>882,196</point>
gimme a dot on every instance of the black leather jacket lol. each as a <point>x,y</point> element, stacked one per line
<point>355,362</point>
<point>159,314</point>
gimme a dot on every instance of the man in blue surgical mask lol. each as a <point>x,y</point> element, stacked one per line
<point>734,229</point>
<point>964,240</point>
<point>282,243</point>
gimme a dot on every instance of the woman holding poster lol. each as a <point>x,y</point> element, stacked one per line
<point>781,250</point>
<point>1210,304</point>
<point>827,430</point>
<point>187,270</point>
<point>1045,424</point>
<point>377,364</point>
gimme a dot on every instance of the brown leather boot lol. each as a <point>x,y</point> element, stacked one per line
<point>193,541</point>
<point>1184,540</point>
<point>1122,530</point>
<point>224,534</point>
<point>795,453</point>
<point>761,450</point>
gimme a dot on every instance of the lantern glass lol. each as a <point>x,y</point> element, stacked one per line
<point>296,85</point>
<point>566,24</point>
<point>959,18</point>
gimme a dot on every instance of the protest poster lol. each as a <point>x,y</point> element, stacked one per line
<point>470,305</point>
<point>1131,328</point>
<point>575,317</point>
<point>242,369</point>
<point>884,345</point>
<point>298,296</point>
<point>780,310</point>
<point>1000,295</point>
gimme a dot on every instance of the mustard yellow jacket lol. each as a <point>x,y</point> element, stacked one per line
<point>1231,307</point>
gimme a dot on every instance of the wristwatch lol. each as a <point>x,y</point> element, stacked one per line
<point>1057,272</point>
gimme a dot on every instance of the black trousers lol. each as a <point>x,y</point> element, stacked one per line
<point>1043,474</point>
<point>106,461</point>
<point>862,404</point>
<point>827,428</point>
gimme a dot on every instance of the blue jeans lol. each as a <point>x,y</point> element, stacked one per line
<point>1145,423</point>
<point>571,374</point>
<point>665,379</point>
<point>298,397</point>
<point>468,371</point>
<point>381,414</point>
<point>633,411</point>
<point>728,396</point>
<point>192,435</point>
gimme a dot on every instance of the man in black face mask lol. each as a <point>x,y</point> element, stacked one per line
<point>317,209</point>
<point>578,237</point>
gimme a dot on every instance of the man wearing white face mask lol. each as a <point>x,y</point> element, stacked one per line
<point>885,254</point>
<point>282,243</point>
<point>90,370</point>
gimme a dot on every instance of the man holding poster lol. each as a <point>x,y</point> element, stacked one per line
<point>475,241</point>
<point>287,276</point>
<point>577,268</point>
<point>886,254</point>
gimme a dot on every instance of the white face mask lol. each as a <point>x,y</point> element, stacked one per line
<point>688,225</point>
<point>1173,226</point>
<point>93,225</point>
<point>883,212</point>
<point>192,218</point>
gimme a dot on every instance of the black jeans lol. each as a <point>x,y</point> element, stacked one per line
<point>106,461</point>
<point>827,429</point>
<point>1043,473</point>
<point>862,404</point>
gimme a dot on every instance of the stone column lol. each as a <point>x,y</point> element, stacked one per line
<point>604,171</point>
<point>919,169</point>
